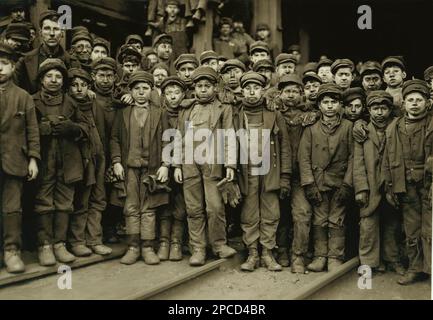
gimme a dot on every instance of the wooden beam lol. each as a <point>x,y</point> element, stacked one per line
<point>202,39</point>
<point>269,12</point>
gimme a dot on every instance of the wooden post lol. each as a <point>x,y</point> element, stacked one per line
<point>203,37</point>
<point>36,10</point>
<point>269,12</point>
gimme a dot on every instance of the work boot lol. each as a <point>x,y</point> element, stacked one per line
<point>334,263</point>
<point>46,255</point>
<point>224,251</point>
<point>283,257</point>
<point>175,252</point>
<point>81,250</point>
<point>298,265</point>
<point>131,255</point>
<point>101,249</point>
<point>318,264</point>
<point>269,261</point>
<point>13,262</point>
<point>149,256</point>
<point>163,251</point>
<point>198,257</point>
<point>252,260</point>
<point>410,278</point>
<point>397,267</point>
<point>320,236</point>
<point>63,255</point>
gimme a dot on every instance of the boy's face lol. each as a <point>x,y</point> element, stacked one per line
<point>50,33</point>
<point>252,92</point>
<point>330,106</point>
<point>130,67</point>
<point>285,68</point>
<point>266,73</point>
<point>353,110</point>
<point>393,76</point>
<point>311,88</point>
<point>259,55</point>
<point>213,63</point>
<point>172,10</point>
<point>263,34</point>
<point>291,95</point>
<point>164,51</point>
<point>137,45</point>
<point>83,48</point>
<point>98,52</point>
<point>226,30</point>
<point>238,26</point>
<point>174,95</point>
<point>141,92</point>
<point>104,78</point>
<point>415,104</point>
<point>153,59</point>
<point>232,77</point>
<point>185,72</point>
<point>78,89</point>
<point>343,77</point>
<point>371,81</point>
<point>325,74</point>
<point>158,76</point>
<point>7,68</point>
<point>204,89</point>
<point>18,16</point>
<point>52,81</point>
<point>297,55</point>
<point>379,112</point>
<point>15,43</point>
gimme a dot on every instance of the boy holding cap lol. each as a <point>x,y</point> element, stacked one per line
<point>90,199</point>
<point>380,222</point>
<point>136,152</point>
<point>404,169</point>
<point>394,75</point>
<point>200,178</point>
<point>325,158</point>
<point>20,150</point>
<point>62,128</point>
<point>172,218</point>
<point>343,69</point>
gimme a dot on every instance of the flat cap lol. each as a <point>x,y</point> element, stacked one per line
<point>331,89</point>
<point>162,38</point>
<point>252,77</point>
<point>18,31</point>
<point>351,94</point>
<point>379,96</point>
<point>284,58</point>
<point>172,2</point>
<point>127,50</point>
<point>428,73</point>
<point>8,51</point>
<point>310,67</point>
<point>185,58</point>
<point>323,62</point>
<point>208,55</point>
<point>140,76</point>
<point>18,7</point>
<point>311,76</point>
<point>226,20</point>
<point>104,63</point>
<point>342,63</point>
<point>371,67</point>
<point>289,79</point>
<point>134,37</point>
<point>79,73</point>
<point>259,46</point>
<point>82,35</point>
<point>294,47</point>
<point>204,72</point>
<point>171,81</point>
<point>52,63</point>
<point>262,26</point>
<point>222,58</point>
<point>160,65</point>
<point>103,43</point>
<point>265,63</point>
<point>393,61</point>
<point>232,63</point>
<point>415,85</point>
<point>48,14</point>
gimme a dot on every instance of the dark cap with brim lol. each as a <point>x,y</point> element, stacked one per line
<point>104,63</point>
<point>232,63</point>
<point>7,51</point>
<point>204,72</point>
<point>342,63</point>
<point>415,85</point>
<point>265,63</point>
<point>371,67</point>
<point>289,79</point>
<point>351,94</point>
<point>162,38</point>
<point>329,89</point>
<point>185,58</point>
<point>79,73</point>
<point>208,55</point>
<point>52,63</point>
<point>379,97</point>
<point>140,76</point>
<point>171,81</point>
<point>393,61</point>
<point>252,77</point>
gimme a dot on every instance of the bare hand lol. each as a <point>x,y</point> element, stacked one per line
<point>118,171</point>
<point>178,175</point>
<point>32,169</point>
<point>162,174</point>
<point>230,174</point>
<point>362,199</point>
<point>127,99</point>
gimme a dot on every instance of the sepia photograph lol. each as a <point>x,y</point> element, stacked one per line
<point>216,155</point>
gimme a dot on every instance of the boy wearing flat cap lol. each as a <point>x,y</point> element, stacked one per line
<point>285,64</point>
<point>136,152</point>
<point>262,190</point>
<point>311,83</point>
<point>231,73</point>
<point>324,70</point>
<point>163,47</point>
<point>185,65</point>
<point>19,153</point>
<point>405,166</point>
<point>394,74</point>
<point>380,222</point>
<point>342,70</point>
<point>200,178</point>
<point>172,218</point>
<point>325,158</point>
<point>209,59</point>
<point>90,199</point>
<point>371,76</point>
<point>259,50</point>
<point>354,104</point>
<point>62,128</point>
<point>266,68</point>
<point>295,114</point>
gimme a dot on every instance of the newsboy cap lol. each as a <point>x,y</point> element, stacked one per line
<point>185,58</point>
<point>294,47</point>
<point>127,50</point>
<point>162,38</point>
<point>52,63</point>
<point>82,35</point>
<point>428,73</point>
<point>134,37</point>
<point>329,89</point>
<point>7,51</point>
<point>252,77</point>
<point>208,55</point>
<point>262,26</point>
<point>289,79</point>
<point>140,76</point>
<point>285,58</point>
<point>259,46</point>
<point>104,63</point>
<point>379,96</point>
<point>311,76</point>
<point>103,43</point>
<point>323,62</point>
<point>371,67</point>
<point>173,80</point>
<point>264,63</point>
<point>393,61</point>
<point>415,85</point>
<point>48,14</point>
<point>342,63</point>
<point>232,63</point>
<point>351,94</point>
<point>18,31</point>
<point>204,72</point>
<point>79,73</point>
